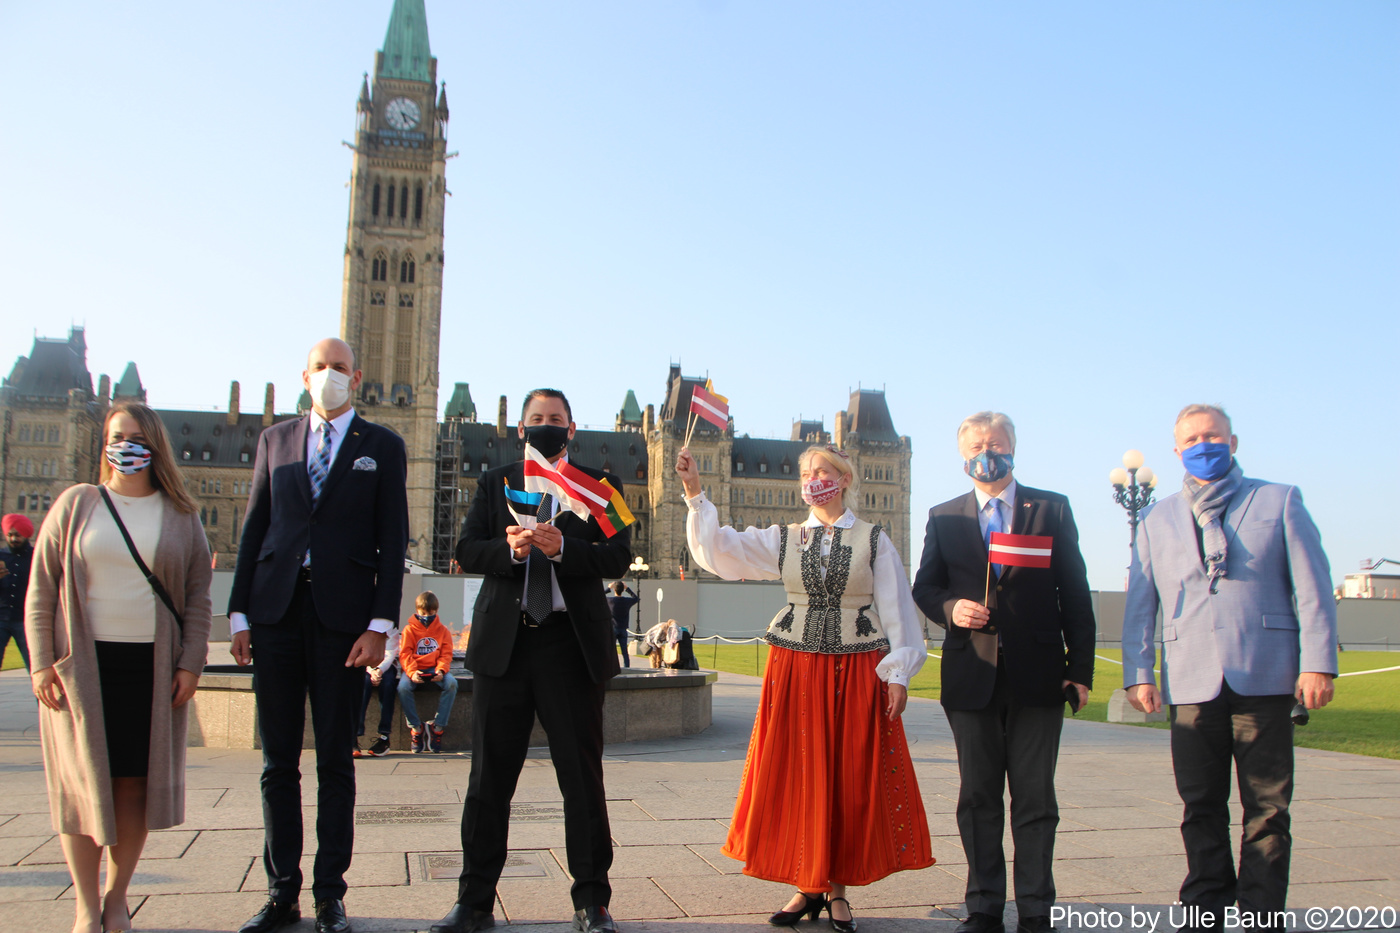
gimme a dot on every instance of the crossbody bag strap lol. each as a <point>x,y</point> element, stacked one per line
<point>151,578</point>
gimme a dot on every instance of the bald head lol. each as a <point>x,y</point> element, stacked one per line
<point>331,377</point>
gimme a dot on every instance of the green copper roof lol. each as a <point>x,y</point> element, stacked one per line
<point>406,52</point>
<point>461,404</point>
<point>631,411</point>
<point>129,386</point>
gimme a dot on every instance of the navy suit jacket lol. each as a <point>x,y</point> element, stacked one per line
<point>357,531</point>
<point>1271,616</point>
<point>589,557</point>
<point>1045,616</point>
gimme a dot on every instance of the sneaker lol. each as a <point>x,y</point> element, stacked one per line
<point>434,738</point>
<point>417,740</point>
<point>379,748</point>
<point>358,751</point>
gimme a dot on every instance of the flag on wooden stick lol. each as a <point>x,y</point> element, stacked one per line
<point>1019,550</point>
<point>710,406</point>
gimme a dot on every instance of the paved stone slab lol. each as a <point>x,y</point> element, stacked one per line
<point>367,870</point>
<point>40,883</point>
<point>14,849</point>
<point>164,844</point>
<point>669,832</point>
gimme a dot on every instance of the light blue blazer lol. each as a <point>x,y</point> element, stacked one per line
<point>1272,615</point>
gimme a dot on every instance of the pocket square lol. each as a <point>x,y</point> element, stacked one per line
<point>365,463</point>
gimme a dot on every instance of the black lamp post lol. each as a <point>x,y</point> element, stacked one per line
<point>1133,485</point>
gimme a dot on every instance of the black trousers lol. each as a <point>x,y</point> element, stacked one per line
<point>388,691</point>
<point>546,675</point>
<point>624,644</point>
<point>291,659</point>
<point>1256,733</point>
<point>1008,743</point>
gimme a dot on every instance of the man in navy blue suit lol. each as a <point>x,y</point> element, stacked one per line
<point>315,590</point>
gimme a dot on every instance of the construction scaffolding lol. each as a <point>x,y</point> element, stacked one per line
<point>449,503</point>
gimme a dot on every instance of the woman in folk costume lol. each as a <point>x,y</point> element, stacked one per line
<point>828,798</point>
<point>114,666</point>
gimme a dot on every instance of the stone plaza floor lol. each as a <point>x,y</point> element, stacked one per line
<point>670,801</point>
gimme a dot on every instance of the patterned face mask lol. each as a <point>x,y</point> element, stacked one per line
<point>989,466</point>
<point>820,491</point>
<point>128,457</point>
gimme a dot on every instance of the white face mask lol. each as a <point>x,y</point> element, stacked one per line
<point>329,389</point>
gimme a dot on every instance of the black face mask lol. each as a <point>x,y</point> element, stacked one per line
<point>548,439</point>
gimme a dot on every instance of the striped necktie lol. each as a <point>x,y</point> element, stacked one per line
<point>320,465</point>
<point>539,578</point>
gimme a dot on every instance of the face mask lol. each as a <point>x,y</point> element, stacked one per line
<point>329,389</point>
<point>424,619</point>
<point>989,466</point>
<point>820,491</point>
<point>128,457</point>
<point>548,439</point>
<point>1207,461</point>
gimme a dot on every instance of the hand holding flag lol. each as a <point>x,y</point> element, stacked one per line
<point>706,403</point>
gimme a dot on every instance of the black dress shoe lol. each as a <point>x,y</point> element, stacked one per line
<point>981,923</point>
<point>594,920</point>
<point>330,916</point>
<point>463,919</point>
<point>273,916</point>
<point>1034,925</point>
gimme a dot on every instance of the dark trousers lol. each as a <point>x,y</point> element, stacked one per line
<point>291,659</point>
<point>1008,743</point>
<point>1256,733</point>
<point>546,676</point>
<point>624,644</point>
<point>388,690</point>
<point>14,628</point>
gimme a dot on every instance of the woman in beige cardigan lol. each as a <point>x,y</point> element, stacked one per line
<point>113,668</point>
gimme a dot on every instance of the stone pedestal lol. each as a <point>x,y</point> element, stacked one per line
<point>640,703</point>
<point>1120,710</point>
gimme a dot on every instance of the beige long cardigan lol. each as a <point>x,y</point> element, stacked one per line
<point>74,737</point>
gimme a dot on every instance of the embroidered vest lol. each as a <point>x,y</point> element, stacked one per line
<point>834,615</point>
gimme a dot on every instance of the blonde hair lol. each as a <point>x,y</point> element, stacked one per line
<point>165,473</point>
<point>427,601</point>
<point>841,461</point>
<point>1198,409</point>
<point>988,421</point>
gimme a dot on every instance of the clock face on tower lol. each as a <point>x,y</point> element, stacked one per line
<point>402,113</point>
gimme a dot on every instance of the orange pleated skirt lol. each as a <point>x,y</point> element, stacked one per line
<point>828,794</point>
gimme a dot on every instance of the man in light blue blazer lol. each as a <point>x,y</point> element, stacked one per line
<point>1249,624</point>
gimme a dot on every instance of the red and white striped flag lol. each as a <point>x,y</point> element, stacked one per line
<point>541,476</point>
<point>1020,550</point>
<point>713,408</point>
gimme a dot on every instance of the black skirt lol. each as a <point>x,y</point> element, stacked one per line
<point>127,672</point>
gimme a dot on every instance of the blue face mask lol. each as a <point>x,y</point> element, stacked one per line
<point>1207,461</point>
<point>989,466</point>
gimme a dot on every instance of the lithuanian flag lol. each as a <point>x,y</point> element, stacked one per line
<point>615,516</point>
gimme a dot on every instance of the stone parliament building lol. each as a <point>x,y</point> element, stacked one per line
<point>391,308</point>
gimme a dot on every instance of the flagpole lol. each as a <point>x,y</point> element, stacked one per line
<point>987,593</point>
<point>690,427</point>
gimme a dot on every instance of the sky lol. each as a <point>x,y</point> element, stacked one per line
<point>1085,215</point>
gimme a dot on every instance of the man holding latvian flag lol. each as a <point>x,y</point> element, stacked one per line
<point>1002,573</point>
<point>544,533</point>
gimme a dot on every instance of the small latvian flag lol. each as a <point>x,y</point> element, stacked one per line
<point>1020,550</point>
<point>713,408</point>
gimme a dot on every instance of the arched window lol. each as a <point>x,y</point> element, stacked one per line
<point>417,204</point>
<point>374,201</point>
<point>391,201</point>
<point>379,268</point>
<point>407,269</point>
<point>403,202</point>
<point>214,515</point>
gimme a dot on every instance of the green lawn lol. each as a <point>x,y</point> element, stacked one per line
<point>1363,719</point>
<point>12,658</point>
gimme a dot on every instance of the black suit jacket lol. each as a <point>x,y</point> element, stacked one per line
<point>357,533</point>
<point>588,558</point>
<point>1045,616</point>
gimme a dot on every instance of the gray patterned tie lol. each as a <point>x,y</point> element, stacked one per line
<point>320,465</point>
<point>539,576</point>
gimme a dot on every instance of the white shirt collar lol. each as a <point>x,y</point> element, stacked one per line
<point>340,422</point>
<point>1007,495</point>
<point>847,519</point>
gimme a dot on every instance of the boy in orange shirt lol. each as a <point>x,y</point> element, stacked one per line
<point>425,654</point>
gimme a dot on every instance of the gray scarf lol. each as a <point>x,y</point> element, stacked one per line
<point>1208,504</point>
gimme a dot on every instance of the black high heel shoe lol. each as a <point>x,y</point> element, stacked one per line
<point>815,904</point>
<point>841,926</point>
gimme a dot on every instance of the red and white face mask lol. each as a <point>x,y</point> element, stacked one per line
<point>820,491</point>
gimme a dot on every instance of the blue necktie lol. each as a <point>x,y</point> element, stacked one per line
<point>320,465</point>
<point>994,525</point>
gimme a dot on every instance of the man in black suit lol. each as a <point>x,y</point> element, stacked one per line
<point>1018,644</point>
<point>316,587</point>
<point>541,643</point>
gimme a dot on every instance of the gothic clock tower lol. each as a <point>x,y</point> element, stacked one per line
<point>391,302</point>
